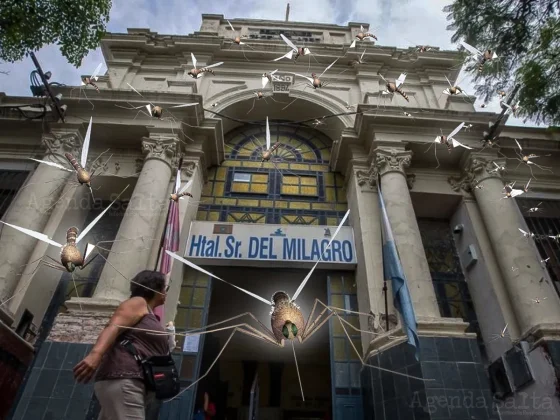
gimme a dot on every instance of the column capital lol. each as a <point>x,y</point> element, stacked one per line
<point>392,160</point>
<point>476,169</point>
<point>163,148</point>
<point>60,142</point>
<point>368,178</point>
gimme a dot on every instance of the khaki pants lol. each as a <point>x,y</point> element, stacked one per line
<point>122,399</point>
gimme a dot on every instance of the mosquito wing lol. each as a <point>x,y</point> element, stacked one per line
<point>186,187</point>
<point>448,81</point>
<point>96,72</point>
<point>94,222</point>
<point>515,193</point>
<point>400,81</point>
<point>305,77</point>
<point>290,43</point>
<point>327,69</point>
<point>288,55</point>
<point>362,56</point>
<point>89,249</point>
<point>184,105</point>
<point>455,143</point>
<point>353,44</point>
<point>527,186</point>
<point>518,145</point>
<point>85,146</point>
<point>302,285</point>
<point>193,58</point>
<point>214,65</point>
<point>470,48</point>
<point>504,330</point>
<point>522,231</point>
<point>457,129</point>
<point>37,235</point>
<point>230,25</point>
<point>178,181</point>
<point>267,135</point>
<point>202,270</point>
<point>56,165</point>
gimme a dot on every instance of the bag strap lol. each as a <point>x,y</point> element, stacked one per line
<point>132,350</point>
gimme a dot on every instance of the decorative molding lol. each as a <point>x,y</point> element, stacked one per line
<point>160,147</point>
<point>139,165</point>
<point>58,144</point>
<point>367,178</point>
<point>476,170</point>
<point>392,160</point>
<point>410,178</point>
<point>188,168</point>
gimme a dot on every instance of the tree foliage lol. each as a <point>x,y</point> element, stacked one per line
<point>76,26</point>
<point>526,36</point>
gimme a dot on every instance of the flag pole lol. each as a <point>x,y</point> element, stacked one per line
<point>384,277</point>
<point>161,242</point>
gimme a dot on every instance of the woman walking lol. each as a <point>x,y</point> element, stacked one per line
<point>120,382</point>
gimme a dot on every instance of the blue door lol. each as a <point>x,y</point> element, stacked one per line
<point>192,313</point>
<point>345,363</point>
<point>348,408</point>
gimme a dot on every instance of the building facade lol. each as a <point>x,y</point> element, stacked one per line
<point>470,270</point>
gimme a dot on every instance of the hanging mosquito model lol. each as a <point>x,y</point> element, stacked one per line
<point>298,51</point>
<point>482,57</point>
<point>286,318</point>
<point>89,81</point>
<point>363,34</point>
<point>510,192</point>
<point>70,256</point>
<point>527,160</point>
<point>267,77</point>
<point>197,73</point>
<point>237,40</point>
<point>314,81</point>
<point>260,95</point>
<point>392,88</point>
<point>448,141</point>
<point>156,111</point>
<point>84,176</point>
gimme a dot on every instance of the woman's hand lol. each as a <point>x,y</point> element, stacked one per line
<point>84,371</point>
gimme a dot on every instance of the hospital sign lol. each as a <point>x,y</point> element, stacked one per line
<point>235,243</point>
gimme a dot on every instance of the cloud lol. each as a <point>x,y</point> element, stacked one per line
<point>401,23</point>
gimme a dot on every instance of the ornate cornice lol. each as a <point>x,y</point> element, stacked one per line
<point>367,178</point>
<point>160,147</point>
<point>476,170</point>
<point>392,160</point>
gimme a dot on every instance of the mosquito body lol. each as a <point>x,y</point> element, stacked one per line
<point>181,192</point>
<point>267,77</point>
<point>93,78</point>
<point>510,192</point>
<point>452,89</point>
<point>555,237</point>
<point>448,141</point>
<point>395,87</point>
<point>356,62</point>
<point>526,234</point>
<point>70,256</point>
<point>535,209</point>
<point>503,334</point>
<point>498,168</point>
<point>237,40</point>
<point>527,159</point>
<point>510,109</point>
<point>538,300</point>
<point>423,48</point>
<point>363,34</point>
<point>83,176</point>
<point>482,57</point>
<point>197,73</point>
<point>298,51</point>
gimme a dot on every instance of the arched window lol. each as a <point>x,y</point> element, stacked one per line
<point>294,187</point>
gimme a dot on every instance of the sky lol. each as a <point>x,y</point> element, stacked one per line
<point>400,23</point>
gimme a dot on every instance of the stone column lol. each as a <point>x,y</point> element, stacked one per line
<point>391,165</point>
<point>363,203</point>
<point>32,208</point>
<point>149,199</point>
<point>502,220</point>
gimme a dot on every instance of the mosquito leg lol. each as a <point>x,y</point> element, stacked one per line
<point>89,262</point>
<point>543,168</point>
<point>251,107</point>
<point>60,199</point>
<point>76,290</point>
<point>40,259</point>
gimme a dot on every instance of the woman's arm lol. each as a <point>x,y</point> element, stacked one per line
<point>127,314</point>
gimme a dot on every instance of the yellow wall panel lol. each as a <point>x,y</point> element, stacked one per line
<point>221,173</point>
<point>247,203</point>
<point>240,187</point>
<point>299,205</point>
<point>309,191</point>
<point>299,167</point>
<point>259,188</point>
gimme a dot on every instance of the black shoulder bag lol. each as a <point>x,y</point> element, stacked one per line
<point>160,373</point>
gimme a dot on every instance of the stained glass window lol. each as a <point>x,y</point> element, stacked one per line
<point>294,187</point>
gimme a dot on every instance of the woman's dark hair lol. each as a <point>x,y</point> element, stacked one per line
<point>146,280</point>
